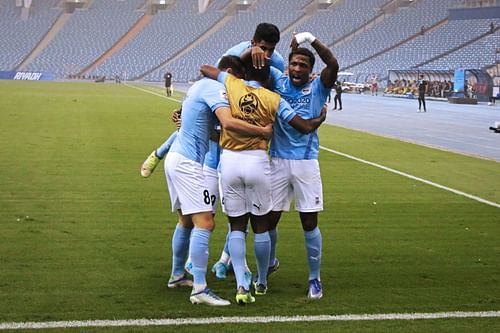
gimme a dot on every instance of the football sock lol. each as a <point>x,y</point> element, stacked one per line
<point>161,151</point>
<point>226,247</point>
<point>180,249</point>
<point>198,251</point>
<point>262,248</point>
<point>273,234</point>
<point>224,257</point>
<point>313,242</point>
<point>237,249</point>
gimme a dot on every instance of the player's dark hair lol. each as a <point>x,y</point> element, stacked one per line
<point>305,52</point>
<point>260,75</point>
<point>233,62</point>
<point>267,32</point>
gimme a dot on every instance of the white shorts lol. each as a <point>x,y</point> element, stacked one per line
<point>212,180</point>
<point>186,185</point>
<point>299,180</point>
<point>245,178</point>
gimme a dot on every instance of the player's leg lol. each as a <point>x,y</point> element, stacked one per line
<point>194,199</point>
<point>237,248</point>
<point>233,192</point>
<point>149,165</point>
<point>180,250</point>
<point>314,244</point>
<point>309,201</point>
<point>262,250</point>
<point>258,192</point>
<point>281,197</point>
<point>221,267</point>
<point>274,218</point>
<point>198,251</point>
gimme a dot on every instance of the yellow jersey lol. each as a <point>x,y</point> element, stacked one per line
<point>257,106</point>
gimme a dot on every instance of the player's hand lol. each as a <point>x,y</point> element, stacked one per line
<point>259,58</point>
<point>176,117</point>
<point>267,131</point>
<point>302,37</point>
<point>294,44</point>
<point>324,110</point>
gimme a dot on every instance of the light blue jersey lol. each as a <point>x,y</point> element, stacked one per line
<point>201,100</point>
<point>213,155</point>
<point>307,101</point>
<point>276,60</point>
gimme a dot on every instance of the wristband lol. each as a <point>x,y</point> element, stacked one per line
<point>305,37</point>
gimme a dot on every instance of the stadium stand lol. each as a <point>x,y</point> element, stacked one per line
<point>87,34</point>
<point>342,18</point>
<point>168,33</point>
<point>19,36</point>
<point>369,37</point>
<point>241,27</point>
<point>435,43</point>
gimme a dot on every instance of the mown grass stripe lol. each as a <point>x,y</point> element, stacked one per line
<point>404,174</point>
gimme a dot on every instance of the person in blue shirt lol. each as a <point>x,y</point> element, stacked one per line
<point>245,168</point>
<point>262,47</point>
<point>187,185</point>
<point>295,169</point>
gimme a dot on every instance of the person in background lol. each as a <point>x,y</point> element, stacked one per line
<point>338,95</point>
<point>423,87</point>
<point>168,83</point>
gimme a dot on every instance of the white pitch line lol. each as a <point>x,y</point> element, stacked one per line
<point>246,320</point>
<point>428,182</point>
<point>153,93</point>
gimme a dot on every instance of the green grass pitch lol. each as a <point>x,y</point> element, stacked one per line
<point>84,237</point>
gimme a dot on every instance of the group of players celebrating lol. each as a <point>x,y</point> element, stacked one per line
<point>251,130</point>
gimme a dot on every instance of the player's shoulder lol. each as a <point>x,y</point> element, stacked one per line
<point>209,83</point>
<point>238,48</point>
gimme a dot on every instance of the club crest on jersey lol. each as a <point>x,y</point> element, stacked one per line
<point>248,103</point>
<point>306,90</point>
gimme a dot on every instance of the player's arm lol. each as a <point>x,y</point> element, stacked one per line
<point>306,126</point>
<point>228,122</point>
<point>257,54</point>
<point>302,125</point>
<point>329,73</point>
<point>210,71</point>
<point>214,135</point>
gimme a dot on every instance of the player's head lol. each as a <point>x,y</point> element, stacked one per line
<point>266,36</point>
<point>233,65</point>
<point>260,75</point>
<point>300,66</point>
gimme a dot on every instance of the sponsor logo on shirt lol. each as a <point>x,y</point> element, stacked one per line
<point>248,103</point>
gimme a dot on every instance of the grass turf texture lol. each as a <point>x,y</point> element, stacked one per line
<point>84,237</point>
